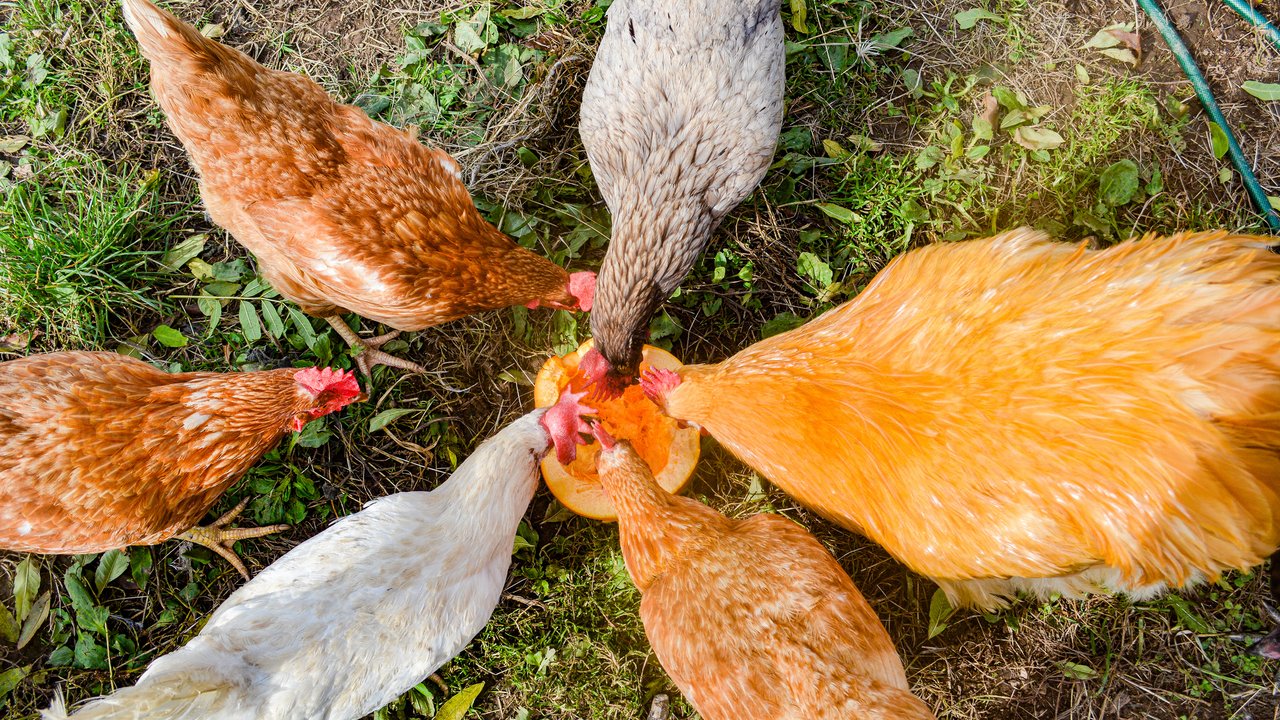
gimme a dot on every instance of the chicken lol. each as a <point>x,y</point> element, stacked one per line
<point>680,118</point>
<point>751,618</point>
<point>1018,415</point>
<point>343,213</point>
<point>357,615</point>
<point>100,451</point>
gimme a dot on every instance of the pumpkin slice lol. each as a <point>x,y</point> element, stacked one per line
<point>670,451</point>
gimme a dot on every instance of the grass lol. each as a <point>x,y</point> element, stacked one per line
<point>70,254</point>
<point>103,245</point>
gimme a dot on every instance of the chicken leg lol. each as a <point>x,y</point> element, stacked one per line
<point>370,355</point>
<point>1269,645</point>
<point>219,538</point>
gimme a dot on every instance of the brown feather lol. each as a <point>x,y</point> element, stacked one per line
<point>99,451</point>
<point>751,618</point>
<point>343,213</point>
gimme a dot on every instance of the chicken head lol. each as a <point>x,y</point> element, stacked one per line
<point>579,294</point>
<point>325,390</point>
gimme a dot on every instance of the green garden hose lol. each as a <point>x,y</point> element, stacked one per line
<point>1210,105</point>
<point>1250,13</point>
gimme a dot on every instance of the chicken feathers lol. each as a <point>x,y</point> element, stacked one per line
<point>357,615</point>
<point>679,119</point>
<point>751,618</point>
<point>344,214</point>
<point>1015,414</point>
<point>99,451</point>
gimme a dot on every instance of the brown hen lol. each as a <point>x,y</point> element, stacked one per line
<point>753,619</point>
<point>99,451</point>
<point>343,213</point>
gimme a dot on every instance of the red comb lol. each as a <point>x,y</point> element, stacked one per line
<point>582,285</point>
<point>602,382</point>
<point>657,382</point>
<point>341,383</point>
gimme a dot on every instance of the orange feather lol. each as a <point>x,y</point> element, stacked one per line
<point>1017,414</point>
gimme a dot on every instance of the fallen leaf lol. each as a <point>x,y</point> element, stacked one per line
<point>969,18</point>
<point>15,342</point>
<point>1076,671</point>
<point>516,376</point>
<point>1262,91</point>
<point>1218,140</point>
<point>1035,138</point>
<point>1107,38</point>
<point>1124,55</point>
<point>184,252</point>
<point>213,31</point>
<point>458,705</point>
<point>35,619</point>
<point>843,214</point>
<point>1131,40</point>
<point>11,144</point>
<point>799,13</point>
<point>524,13</point>
<point>985,119</point>
<point>1082,74</point>
<point>865,144</point>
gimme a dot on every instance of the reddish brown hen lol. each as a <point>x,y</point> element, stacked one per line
<point>100,451</point>
<point>343,213</point>
<point>752,619</point>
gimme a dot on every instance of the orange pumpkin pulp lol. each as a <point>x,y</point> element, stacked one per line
<point>670,451</point>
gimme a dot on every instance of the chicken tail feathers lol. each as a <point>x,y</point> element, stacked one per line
<point>178,699</point>
<point>162,37</point>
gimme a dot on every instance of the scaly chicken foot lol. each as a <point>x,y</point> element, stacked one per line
<point>219,538</point>
<point>370,356</point>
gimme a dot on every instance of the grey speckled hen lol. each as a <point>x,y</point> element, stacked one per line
<point>680,118</point>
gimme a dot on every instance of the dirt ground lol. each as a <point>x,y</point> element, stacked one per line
<point>1138,661</point>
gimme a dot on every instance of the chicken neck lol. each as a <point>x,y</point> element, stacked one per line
<point>655,528</point>
<point>651,251</point>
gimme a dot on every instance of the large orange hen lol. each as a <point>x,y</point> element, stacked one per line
<point>752,619</point>
<point>343,213</point>
<point>99,451</point>
<point>1015,414</point>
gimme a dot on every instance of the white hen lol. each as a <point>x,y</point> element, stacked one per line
<point>357,615</point>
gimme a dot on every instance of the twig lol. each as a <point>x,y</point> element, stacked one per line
<point>474,63</point>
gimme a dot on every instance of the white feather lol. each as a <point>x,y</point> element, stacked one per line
<point>359,614</point>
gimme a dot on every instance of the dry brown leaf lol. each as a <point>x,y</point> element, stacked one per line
<point>16,341</point>
<point>1132,40</point>
<point>989,108</point>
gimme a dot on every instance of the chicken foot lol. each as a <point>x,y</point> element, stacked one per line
<point>219,538</point>
<point>1268,646</point>
<point>370,356</point>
